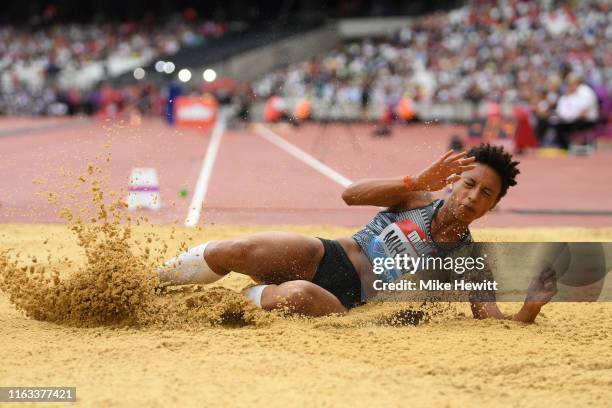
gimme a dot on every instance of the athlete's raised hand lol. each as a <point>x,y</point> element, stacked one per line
<point>447,169</point>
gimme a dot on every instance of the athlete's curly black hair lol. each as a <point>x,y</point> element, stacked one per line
<point>500,161</point>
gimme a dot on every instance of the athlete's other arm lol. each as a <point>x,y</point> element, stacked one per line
<point>409,191</point>
<point>541,289</point>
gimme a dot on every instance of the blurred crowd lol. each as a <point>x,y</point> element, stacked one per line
<point>508,51</point>
<point>49,63</point>
<point>552,56</point>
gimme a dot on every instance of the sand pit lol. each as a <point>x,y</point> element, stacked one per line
<point>197,347</point>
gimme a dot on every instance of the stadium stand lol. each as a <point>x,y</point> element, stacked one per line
<point>452,63</point>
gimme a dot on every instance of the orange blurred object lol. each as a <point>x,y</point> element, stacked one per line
<point>405,109</point>
<point>303,109</point>
<point>195,111</point>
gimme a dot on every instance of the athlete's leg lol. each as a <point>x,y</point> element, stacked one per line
<point>301,296</point>
<point>269,257</point>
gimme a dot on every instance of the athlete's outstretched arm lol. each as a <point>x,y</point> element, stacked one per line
<point>540,291</point>
<point>396,192</point>
<point>389,192</point>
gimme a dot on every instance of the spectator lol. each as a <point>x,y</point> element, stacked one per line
<point>577,110</point>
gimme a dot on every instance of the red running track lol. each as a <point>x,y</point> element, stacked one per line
<point>255,182</point>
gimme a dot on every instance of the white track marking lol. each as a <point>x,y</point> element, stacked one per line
<point>301,155</point>
<point>195,208</point>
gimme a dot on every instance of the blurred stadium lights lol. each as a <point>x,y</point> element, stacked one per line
<point>209,75</point>
<point>169,67</point>
<point>159,66</point>
<point>184,75</point>
<point>139,73</point>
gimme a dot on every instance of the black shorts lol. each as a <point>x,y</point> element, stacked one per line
<point>337,275</point>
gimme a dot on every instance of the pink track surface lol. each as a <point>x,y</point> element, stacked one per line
<point>255,182</point>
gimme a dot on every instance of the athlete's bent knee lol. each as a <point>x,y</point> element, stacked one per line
<point>300,294</point>
<point>296,295</point>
